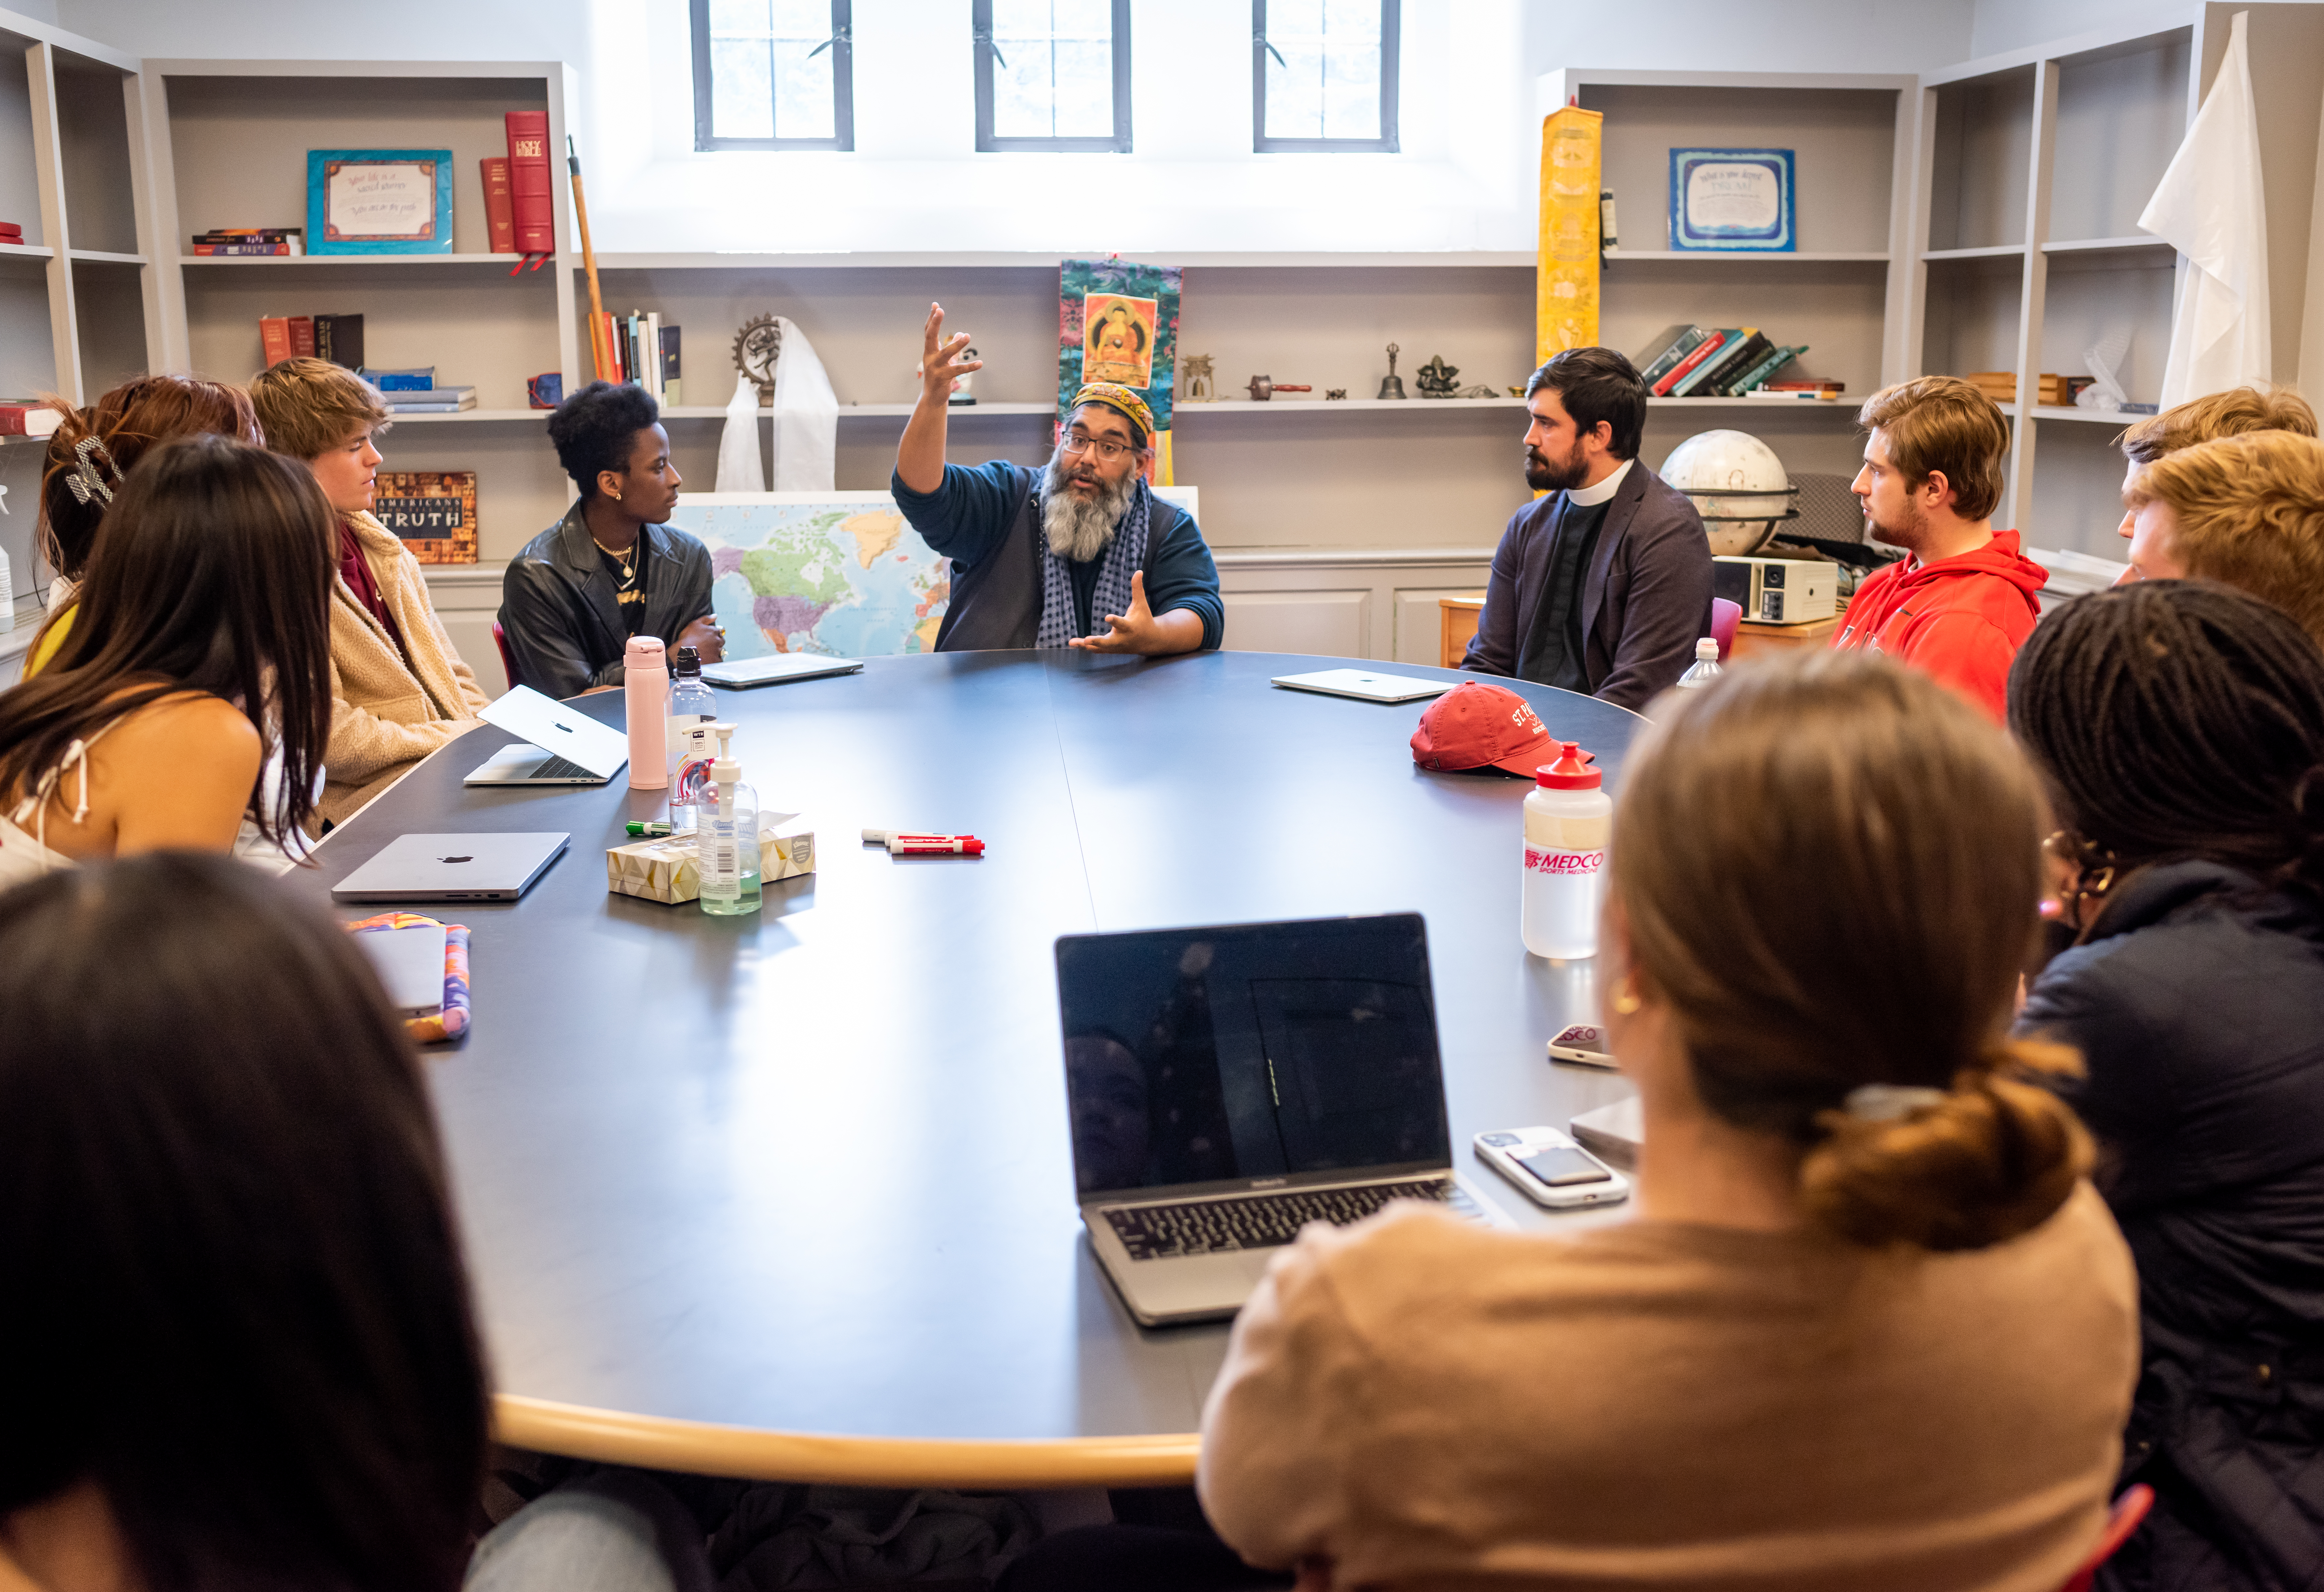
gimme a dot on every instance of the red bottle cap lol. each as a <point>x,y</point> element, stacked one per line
<point>1568,772</point>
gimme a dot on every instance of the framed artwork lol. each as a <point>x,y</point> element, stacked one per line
<point>379,201</point>
<point>433,511</point>
<point>1118,334</point>
<point>1732,200</point>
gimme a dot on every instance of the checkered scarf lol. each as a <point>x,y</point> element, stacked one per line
<point>1123,556</point>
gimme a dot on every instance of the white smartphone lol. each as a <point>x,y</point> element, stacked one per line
<point>1550,1169</point>
<point>1581,1043</point>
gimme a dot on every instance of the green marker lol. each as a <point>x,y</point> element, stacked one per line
<point>643,826</point>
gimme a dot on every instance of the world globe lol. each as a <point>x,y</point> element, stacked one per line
<point>1731,461</point>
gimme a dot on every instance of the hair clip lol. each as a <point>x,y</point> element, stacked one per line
<point>88,483</point>
<point>1886,1102</point>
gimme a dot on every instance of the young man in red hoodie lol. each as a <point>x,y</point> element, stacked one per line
<point>1961,604</point>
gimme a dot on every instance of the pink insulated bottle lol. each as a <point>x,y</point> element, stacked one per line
<point>645,692</point>
<point>1567,821</point>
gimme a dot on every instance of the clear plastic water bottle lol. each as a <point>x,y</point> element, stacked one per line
<point>1705,667</point>
<point>1567,821</point>
<point>691,706</point>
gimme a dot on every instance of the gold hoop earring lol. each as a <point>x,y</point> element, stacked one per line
<point>617,497</point>
<point>1625,1000</point>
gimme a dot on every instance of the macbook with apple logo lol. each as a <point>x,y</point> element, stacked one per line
<point>484,867</point>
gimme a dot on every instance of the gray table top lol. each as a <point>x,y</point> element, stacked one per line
<point>807,1171</point>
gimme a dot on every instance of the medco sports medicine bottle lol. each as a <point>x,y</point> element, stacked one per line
<point>1567,821</point>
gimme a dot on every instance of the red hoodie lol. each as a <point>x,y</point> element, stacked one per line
<point>1960,618</point>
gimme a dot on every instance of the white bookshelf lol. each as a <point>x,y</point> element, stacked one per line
<point>2030,171</point>
<point>76,297</point>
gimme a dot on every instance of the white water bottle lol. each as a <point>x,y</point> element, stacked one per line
<point>1705,667</point>
<point>1567,821</point>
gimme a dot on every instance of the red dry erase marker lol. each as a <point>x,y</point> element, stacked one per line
<point>936,845</point>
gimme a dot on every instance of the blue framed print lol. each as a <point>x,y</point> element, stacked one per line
<point>1731,200</point>
<point>379,201</point>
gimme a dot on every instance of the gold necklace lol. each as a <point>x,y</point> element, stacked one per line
<point>627,560</point>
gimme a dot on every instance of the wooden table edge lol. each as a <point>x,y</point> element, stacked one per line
<point>704,1448</point>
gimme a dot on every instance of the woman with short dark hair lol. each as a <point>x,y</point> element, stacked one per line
<point>2180,727</point>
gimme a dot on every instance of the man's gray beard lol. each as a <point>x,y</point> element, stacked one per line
<point>1081,529</point>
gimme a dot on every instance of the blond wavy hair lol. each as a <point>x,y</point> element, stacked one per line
<point>311,406</point>
<point>2237,412</point>
<point>2250,515</point>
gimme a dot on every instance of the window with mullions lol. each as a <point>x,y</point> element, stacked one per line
<point>1322,76</point>
<point>1052,75</point>
<point>773,74</point>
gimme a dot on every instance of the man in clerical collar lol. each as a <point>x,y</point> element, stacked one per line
<point>1603,585</point>
<point>1079,554</point>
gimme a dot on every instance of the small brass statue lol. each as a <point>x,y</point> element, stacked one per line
<point>1198,378</point>
<point>1438,380</point>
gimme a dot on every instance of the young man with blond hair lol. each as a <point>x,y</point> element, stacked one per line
<point>399,688</point>
<point>2246,511</point>
<point>2240,411</point>
<point>1961,604</point>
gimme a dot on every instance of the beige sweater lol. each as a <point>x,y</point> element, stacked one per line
<point>1652,1404</point>
<point>386,715</point>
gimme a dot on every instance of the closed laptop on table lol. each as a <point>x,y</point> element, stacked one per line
<point>485,867</point>
<point>1229,1085</point>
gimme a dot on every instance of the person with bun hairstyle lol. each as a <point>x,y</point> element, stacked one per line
<point>88,455</point>
<point>240,1350</point>
<point>1868,1325</point>
<point>400,689</point>
<point>2180,727</point>
<point>201,655</point>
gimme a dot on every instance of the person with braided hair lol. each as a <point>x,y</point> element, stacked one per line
<point>2180,727</point>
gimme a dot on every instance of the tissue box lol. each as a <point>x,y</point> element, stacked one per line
<point>664,869</point>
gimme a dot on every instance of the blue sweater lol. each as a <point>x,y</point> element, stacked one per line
<point>967,519</point>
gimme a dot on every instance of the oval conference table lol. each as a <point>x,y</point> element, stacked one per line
<point>789,1196</point>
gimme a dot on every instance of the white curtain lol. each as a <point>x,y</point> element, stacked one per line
<point>807,416</point>
<point>2210,206</point>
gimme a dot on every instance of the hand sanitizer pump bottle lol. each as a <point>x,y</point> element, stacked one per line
<point>726,837</point>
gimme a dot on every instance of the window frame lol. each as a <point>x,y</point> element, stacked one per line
<point>843,89</point>
<point>1392,34</point>
<point>980,30</point>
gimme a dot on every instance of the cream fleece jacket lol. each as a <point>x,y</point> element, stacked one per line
<point>387,715</point>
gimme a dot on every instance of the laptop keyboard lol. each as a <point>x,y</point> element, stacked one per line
<point>557,768</point>
<point>1264,1221</point>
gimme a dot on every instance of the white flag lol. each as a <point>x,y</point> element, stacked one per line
<point>806,417</point>
<point>2210,208</point>
<point>738,441</point>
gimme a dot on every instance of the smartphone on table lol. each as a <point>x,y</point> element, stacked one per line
<point>1550,1169</point>
<point>1583,1044</point>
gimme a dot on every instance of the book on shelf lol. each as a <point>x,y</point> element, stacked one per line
<point>261,241</point>
<point>1796,394</point>
<point>1710,378</point>
<point>432,511</point>
<point>273,340</point>
<point>1807,383</point>
<point>1671,344</point>
<point>418,379</point>
<point>500,207</point>
<point>339,338</point>
<point>1761,370</point>
<point>532,191</point>
<point>302,336</point>
<point>670,389</point>
<point>12,232</point>
<point>436,401</point>
<point>1685,367</point>
<point>24,418</point>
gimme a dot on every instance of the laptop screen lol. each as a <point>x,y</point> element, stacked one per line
<point>1210,1055</point>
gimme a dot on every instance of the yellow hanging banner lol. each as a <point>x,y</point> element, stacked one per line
<point>1565,296</point>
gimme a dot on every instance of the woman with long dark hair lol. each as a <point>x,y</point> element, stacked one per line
<point>202,646</point>
<point>2180,727</point>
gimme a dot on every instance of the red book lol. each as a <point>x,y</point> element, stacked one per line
<point>499,210</point>
<point>1710,346</point>
<point>29,420</point>
<point>532,196</point>
<point>302,336</point>
<point>274,337</point>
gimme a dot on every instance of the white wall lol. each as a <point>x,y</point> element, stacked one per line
<point>1748,36</point>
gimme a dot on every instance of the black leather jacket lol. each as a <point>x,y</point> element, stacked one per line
<point>564,629</point>
<point>2197,1003</point>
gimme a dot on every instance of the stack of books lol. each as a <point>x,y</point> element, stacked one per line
<point>339,338</point>
<point>251,240</point>
<point>637,347</point>
<point>12,232</point>
<point>1810,390</point>
<point>415,392</point>
<point>1687,361</point>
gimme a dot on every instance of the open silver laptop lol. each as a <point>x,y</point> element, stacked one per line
<point>1230,1085</point>
<point>489,866</point>
<point>561,745</point>
<point>775,668</point>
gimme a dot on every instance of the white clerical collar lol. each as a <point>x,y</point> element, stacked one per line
<point>1590,497</point>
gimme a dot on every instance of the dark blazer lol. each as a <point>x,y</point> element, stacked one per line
<point>1646,597</point>
<point>2197,1001</point>
<point>559,617</point>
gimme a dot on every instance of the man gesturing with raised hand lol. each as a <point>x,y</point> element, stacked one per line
<point>1080,553</point>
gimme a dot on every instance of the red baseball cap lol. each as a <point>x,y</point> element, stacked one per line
<point>1478,726</point>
